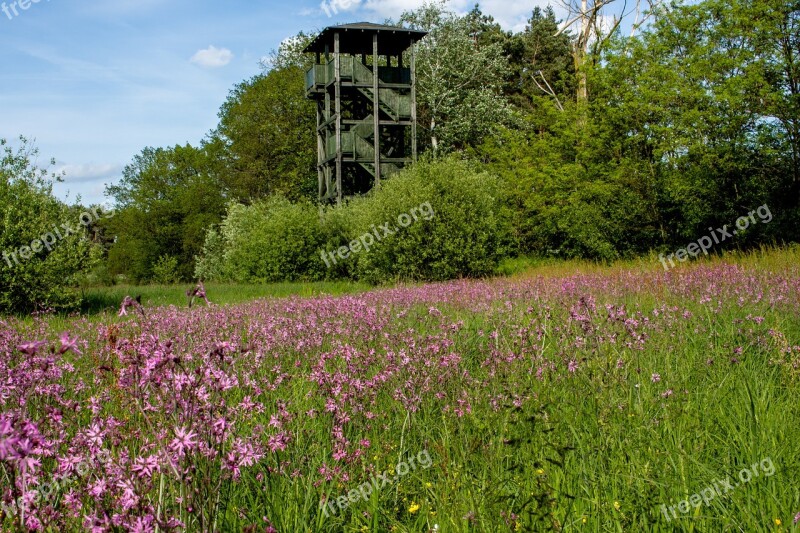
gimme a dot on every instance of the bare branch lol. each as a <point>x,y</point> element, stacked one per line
<point>549,91</point>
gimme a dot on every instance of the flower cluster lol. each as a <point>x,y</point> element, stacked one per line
<point>197,419</point>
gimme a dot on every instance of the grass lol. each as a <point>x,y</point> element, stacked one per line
<point>108,299</point>
<point>541,408</point>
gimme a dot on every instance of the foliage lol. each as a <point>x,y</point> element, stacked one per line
<point>690,96</point>
<point>269,241</point>
<point>165,271</point>
<point>267,127</point>
<point>30,218</point>
<point>545,65</point>
<point>462,238</point>
<point>460,81</point>
<point>166,200</point>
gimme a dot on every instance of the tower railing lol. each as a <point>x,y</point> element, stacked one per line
<point>318,76</point>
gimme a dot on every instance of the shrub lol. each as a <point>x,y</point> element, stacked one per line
<point>28,213</point>
<point>337,227</point>
<point>266,242</point>
<point>165,271</point>
<point>462,238</point>
<point>210,266</point>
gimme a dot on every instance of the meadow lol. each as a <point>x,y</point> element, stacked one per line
<point>563,398</point>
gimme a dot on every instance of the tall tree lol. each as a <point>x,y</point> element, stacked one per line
<point>166,200</point>
<point>545,66</point>
<point>593,28</point>
<point>267,128</point>
<point>699,107</point>
<point>460,79</point>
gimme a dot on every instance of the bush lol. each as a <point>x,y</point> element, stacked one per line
<point>266,242</point>
<point>165,271</point>
<point>454,231</point>
<point>210,266</point>
<point>337,227</point>
<point>29,213</point>
<point>442,216</point>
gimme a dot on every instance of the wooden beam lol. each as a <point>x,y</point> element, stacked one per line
<point>413,102</point>
<point>320,151</point>
<point>338,95</point>
<point>377,110</point>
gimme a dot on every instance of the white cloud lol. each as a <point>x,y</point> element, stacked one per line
<point>514,15</point>
<point>88,172</point>
<point>334,7</point>
<point>383,9</point>
<point>212,57</point>
<point>510,15</point>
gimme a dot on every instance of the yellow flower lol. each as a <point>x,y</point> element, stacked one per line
<point>617,505</point>
<point>428,485</point>
<point>364,529</point>
<point>584,520</point>
<point>778,521</point>
<point>414,508</point>
<point>540,472</point>
<point>518,527</point>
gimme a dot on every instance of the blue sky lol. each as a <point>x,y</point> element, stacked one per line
<point>95,82</point>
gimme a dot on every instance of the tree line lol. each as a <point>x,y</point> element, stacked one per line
<point>591,142</point>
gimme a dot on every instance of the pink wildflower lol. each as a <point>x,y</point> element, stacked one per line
<point>183,441</point>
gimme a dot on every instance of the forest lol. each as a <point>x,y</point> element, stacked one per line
<point>558,141</point>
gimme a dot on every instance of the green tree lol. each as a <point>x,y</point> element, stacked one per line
<point>267,127</point>
<point>700,108</point>
<point>460,79</point>
<point>41,259</point>
<point>167,199</point>
<point>545,66</point>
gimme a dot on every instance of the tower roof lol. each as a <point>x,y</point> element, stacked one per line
<point>357,39</point>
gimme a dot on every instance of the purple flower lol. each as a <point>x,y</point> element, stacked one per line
<point>145,467</point>
<point>655,378</point>
<point>68,344</point>
<point>183,441</point>
<point>30,348</point>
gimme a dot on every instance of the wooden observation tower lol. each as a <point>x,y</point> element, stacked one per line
<point>366,105</point>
